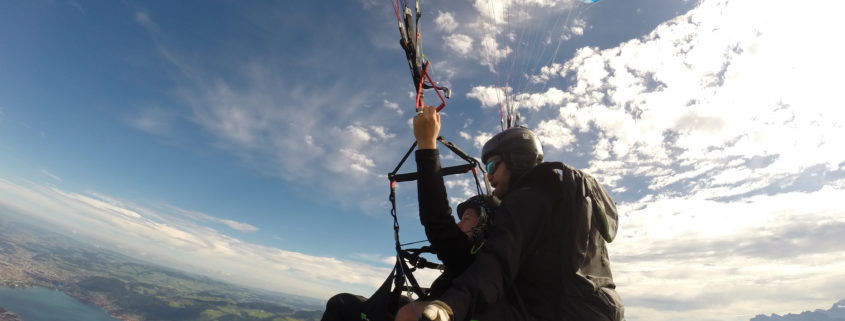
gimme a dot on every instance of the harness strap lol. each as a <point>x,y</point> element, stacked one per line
<point>413,257</point>
<point>404,279</point>
<point>410,41</point>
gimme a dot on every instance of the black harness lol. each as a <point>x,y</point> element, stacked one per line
<point>388,298</point>
<point>403,272</point>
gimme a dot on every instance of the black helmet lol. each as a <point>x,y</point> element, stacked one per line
<point>519,147</point>
<point>484,204</point>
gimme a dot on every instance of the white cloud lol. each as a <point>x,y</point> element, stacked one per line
<point>552,97</point>
<point>460,189</point>
<point>575,28</point>
<point>291,130</point>
<point>719,117</point>
<point>357,134</point>
<point>492,52</point>
<point>164,237</point>
<point>554,133</point>
<point>157,121</point>
<point>548,72</point>
<point>465,135</point>
<point>369,4</point>
<point>723,126</point>
<point>355,161</point>
<point>508,30</point>
<point>77,6</point>
<point>767,253</point>
<point>492,10</point>
<point>446,21</point>
<point>442,74</point>
<point>393,106</point>
<point>695,91</point>
<point>374,258</point>
<point>103,205</point>
<point>578,26</point>
<point>500,11</point>
<point>194,216</point>
<point>356,143</point>
<point>143,19</point>
<point>240,226</point>
<point>381,132</point>
<point>489,96</point>
<point>481,138</point>
<point>461,44</point>
<point>51,175</point>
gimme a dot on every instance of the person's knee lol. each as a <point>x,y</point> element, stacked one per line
<point>411,311</point>
<point>336,300</point>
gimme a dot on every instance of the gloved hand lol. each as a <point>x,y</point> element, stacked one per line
<point>437,311</point>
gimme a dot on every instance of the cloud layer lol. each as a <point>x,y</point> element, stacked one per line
<point>183,239</point>
<point>324,134</point>
<point>719,134</point>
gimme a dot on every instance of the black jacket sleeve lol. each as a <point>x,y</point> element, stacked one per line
<point>450,244</point>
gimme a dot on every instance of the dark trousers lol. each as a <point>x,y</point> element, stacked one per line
<point>344,307</point>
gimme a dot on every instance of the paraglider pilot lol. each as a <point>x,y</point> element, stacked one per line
<point>545,256</point>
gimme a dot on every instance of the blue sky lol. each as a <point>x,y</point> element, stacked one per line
<point>250,142</point>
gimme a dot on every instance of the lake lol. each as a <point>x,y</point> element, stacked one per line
<point>40,304</point>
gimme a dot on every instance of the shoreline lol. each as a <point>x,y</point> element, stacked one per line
<point>110,310</point>
<point>6,315</point>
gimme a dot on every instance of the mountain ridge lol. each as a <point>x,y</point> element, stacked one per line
<point>835,313</point>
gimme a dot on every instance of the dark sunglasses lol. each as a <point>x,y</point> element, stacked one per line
<point>491,166</point>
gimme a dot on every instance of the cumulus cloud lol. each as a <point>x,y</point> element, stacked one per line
<point>381,133</point>
<point>772,253</point>
<point>489,96</point>
<point>481,138</point>
<point>552,97</point>
<point>393,106</point>
<point>460,189</point>
<point>493,52</point>
<point>554,133</point>
<point>164,236</point>
<point>461,44</point>
<point>578,26</point>
<point>692,92</point>
<point>445,21</point>
<point>465,135</point>
<point>356,161</point>
<point>720,166</point>
<point>716,132</point>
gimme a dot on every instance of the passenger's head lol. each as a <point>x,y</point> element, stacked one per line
<point>474,213</point>
<point>509,155</point>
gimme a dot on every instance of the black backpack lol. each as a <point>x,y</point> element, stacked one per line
<point>592,221</point>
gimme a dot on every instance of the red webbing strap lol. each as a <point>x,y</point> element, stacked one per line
<point>419,102</point>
